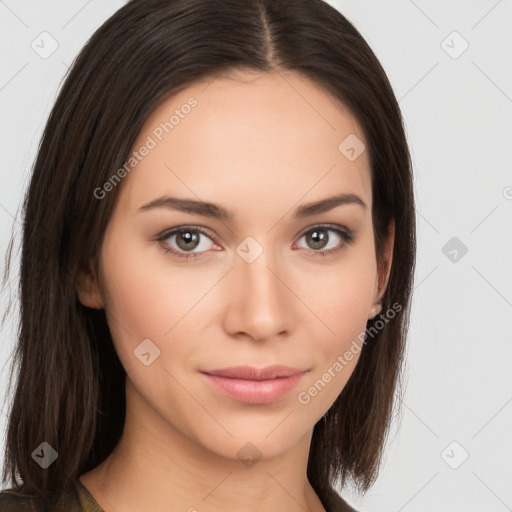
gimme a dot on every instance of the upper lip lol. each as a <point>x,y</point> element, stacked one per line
<point>251,373</point>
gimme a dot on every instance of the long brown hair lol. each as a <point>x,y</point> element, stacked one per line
<point>70,387</point>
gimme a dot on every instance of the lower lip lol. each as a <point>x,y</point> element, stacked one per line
<point>255,391</point>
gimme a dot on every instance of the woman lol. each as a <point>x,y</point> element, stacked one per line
<point>217,264</point>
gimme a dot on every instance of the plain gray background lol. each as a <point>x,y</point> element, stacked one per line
<point>450,65</point>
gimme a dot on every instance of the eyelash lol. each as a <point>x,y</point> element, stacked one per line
<point>347,236</point>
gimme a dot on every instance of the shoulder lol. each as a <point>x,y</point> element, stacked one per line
<point>15,500</point>
<point>12,500</point>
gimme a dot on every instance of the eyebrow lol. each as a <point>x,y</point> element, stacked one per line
<point>218,212</point>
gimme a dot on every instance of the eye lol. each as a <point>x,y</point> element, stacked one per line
<point>186,239</point>
<point>318,239</point>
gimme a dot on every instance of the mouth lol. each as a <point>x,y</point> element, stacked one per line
<point>251,385</point>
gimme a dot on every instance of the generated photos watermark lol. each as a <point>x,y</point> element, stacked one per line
<point>157,135</point>
<point>304,397</point>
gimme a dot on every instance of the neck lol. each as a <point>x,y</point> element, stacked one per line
<point>157,467</point>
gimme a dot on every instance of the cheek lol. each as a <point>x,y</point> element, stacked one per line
<point>341,300</point>
<point>343,295</point>
<point>144,294</point>
<point>147,298</point>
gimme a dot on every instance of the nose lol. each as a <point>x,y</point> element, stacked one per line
<point>259,302</point>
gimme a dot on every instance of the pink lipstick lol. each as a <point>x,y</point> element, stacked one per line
<point>255,386</point>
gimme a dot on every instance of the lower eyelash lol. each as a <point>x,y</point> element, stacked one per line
<point>178,254</point>
<point>347,237</point>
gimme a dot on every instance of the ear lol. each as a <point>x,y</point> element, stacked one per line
<point>383,270</point>
<point>87,288</point>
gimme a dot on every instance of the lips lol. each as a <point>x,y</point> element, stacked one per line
<point>255,385</point>
<point>251,373</point>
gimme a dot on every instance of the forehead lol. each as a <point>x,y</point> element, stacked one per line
<point>265,137</point>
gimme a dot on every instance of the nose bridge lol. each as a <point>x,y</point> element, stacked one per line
<point>261,306</point>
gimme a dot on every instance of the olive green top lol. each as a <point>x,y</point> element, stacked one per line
<point>79,499</point>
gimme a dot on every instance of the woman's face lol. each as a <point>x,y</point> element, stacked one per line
<point>253,289</point>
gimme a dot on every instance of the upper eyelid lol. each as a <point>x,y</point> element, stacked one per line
<point>172,231</point>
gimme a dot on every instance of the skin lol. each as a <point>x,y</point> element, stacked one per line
<point>260,145</point>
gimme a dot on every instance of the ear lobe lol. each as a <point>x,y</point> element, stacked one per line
<point>376,309</point>
<point>87,289</point>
